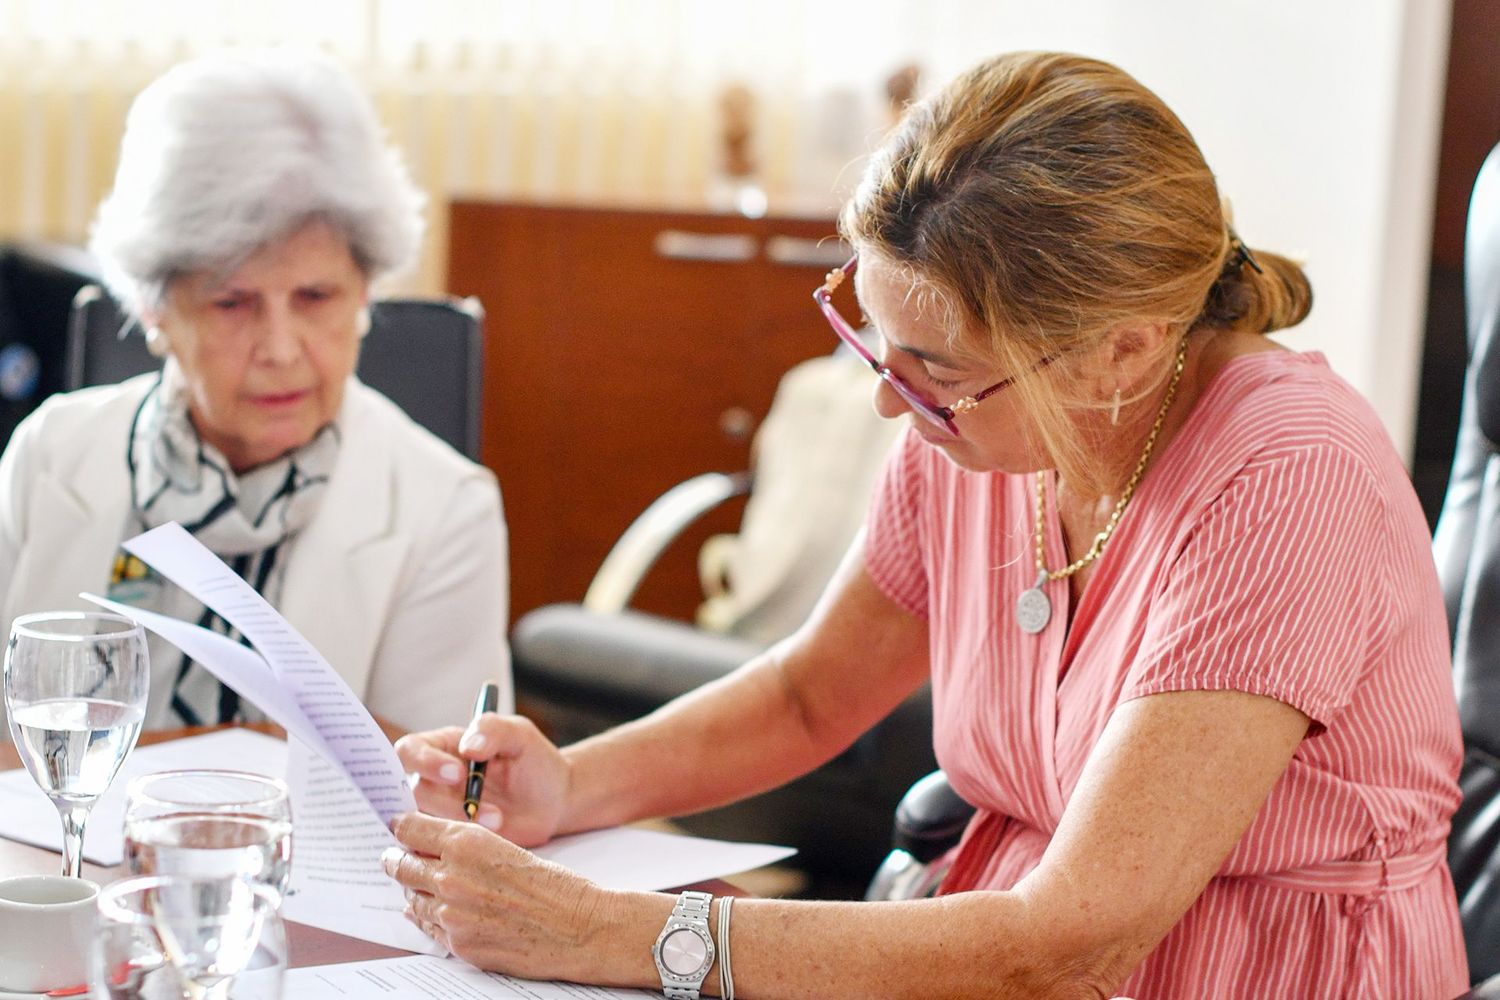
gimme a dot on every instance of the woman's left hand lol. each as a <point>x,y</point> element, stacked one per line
<point>496,905</point>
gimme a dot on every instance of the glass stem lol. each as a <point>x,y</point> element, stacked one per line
<point>74,817</point>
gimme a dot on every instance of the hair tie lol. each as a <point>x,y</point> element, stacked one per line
<point>1241,253</point>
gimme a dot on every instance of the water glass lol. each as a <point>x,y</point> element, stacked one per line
<point>75,694</point>
<point>225,824</point>
<point>168,937</point>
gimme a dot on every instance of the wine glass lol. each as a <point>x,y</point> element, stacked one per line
<point>165,937</point>
<point>75,691</point>
<point>226,824</point>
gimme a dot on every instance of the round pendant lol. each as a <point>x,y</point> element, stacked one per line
<point>1033,610</point>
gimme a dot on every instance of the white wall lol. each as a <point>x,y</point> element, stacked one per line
<point>1321,120</point>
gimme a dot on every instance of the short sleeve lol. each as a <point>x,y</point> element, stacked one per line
<point>1275,589</point>
<point>893,536</point>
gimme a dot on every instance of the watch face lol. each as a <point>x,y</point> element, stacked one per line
<point>683,952</point>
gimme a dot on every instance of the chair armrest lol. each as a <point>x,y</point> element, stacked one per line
<point>930,818</point>
<point>650,534</point>
<point>624,664</point>
<point>1487,990</point>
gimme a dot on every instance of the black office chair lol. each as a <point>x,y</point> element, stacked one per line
<point>427,355</point>
<point>37,285</point>
<point>1467,549</point>
<point>930,819</point>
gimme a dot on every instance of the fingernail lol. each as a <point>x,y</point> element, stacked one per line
<point>451,773</point>
<point>390,858</point>
<point>489,818</point>
<point>473,742</point>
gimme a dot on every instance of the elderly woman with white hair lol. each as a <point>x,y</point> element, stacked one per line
<point>255,203</point>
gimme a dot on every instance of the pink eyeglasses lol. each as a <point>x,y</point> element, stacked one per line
<point>939,416</point>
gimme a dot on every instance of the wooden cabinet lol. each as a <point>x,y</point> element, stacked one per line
<point>626,351</point>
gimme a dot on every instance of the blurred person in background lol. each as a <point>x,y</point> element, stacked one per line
<point>255,204</point>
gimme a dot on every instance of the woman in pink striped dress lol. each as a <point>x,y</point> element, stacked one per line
<point>1168,580</point>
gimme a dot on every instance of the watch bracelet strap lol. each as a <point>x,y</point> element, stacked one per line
<point>692,905</point>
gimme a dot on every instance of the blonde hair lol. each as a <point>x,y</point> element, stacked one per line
<point>1044,199</point>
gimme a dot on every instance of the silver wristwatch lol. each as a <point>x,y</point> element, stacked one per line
<point>684,951</point>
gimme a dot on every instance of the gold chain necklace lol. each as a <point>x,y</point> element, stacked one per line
<point>1033,607</point>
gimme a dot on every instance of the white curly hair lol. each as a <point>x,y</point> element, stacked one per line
<point>229,152</point>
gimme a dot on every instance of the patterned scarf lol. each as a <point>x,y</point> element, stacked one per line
<point>246,519</point>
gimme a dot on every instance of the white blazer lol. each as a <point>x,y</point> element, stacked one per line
<point>400,580</point>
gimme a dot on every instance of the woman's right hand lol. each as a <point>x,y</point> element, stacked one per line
<point>525,780</point>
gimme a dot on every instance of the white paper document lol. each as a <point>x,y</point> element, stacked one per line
<point>425,978</point>
<point>27,815</point>
<point>337,881</point>
<point>331,707</point>
<point>240,667</point>
<point>646,860</point>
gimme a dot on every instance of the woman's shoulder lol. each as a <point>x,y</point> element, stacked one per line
<point>1270,401</point>
<point>1286,420</point>
<point>373,424</point>
<point>84,411</point>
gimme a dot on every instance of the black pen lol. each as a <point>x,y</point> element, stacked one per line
<point>488,701</point>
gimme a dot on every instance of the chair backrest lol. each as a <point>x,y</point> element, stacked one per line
<point>427,355</point>
<point>37,285</point>
<point>1467,549</point>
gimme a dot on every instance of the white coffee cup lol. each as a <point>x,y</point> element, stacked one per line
<point>47,923</point>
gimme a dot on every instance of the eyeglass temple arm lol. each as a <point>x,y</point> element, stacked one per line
<point>835,278</point>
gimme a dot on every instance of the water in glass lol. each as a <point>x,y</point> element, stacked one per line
<point>211,845</point>
<point>168,937</point>
<point>74,746</point>
<point>75,696</point>
<point>210,823</point>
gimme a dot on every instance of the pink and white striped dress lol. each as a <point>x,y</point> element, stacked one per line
<point>1275,548</point>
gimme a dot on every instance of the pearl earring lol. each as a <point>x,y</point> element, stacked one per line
<point>1114,410</point>
<point>156,342</point>
<point>362,322</point>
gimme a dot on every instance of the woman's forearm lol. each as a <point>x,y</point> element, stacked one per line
<point>969,945</point>
<point>732,738</point>
<point>498,907</point>
<point>787,711</point>
<point>1171,787</point>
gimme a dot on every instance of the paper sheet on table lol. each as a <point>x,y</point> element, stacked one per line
<point>646,860</point>
<point>28,815</point>
<point>424,978</point>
